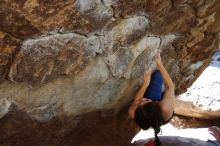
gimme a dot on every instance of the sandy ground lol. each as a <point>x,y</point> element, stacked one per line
<point>169,130</point>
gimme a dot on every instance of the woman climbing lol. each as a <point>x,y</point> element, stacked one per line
<point>152,107</point>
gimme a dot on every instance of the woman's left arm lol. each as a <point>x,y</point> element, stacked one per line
<point>167,103</point>
<point>139,95</point>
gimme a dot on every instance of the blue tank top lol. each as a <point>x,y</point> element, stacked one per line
<point>154,90</point>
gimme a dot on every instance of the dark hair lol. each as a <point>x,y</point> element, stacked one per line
<point>149,115</point>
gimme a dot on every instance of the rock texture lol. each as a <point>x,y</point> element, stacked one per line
<point>202,99</point>
<point>70,68</point>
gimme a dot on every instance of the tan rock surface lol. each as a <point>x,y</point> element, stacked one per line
<point>60,60</point>
<point>202,99</point>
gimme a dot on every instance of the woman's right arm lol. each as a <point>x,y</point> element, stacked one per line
<point>167,103</point>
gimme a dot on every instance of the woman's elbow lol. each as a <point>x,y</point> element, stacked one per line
<point>170,87</point>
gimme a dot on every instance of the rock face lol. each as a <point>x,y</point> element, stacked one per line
<point>202,99</point>
<point>69,69</point>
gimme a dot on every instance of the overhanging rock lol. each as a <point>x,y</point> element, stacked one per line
<point>70,68</point>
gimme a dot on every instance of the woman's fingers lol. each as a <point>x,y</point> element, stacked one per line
<point>147,72</point>
<point>157,57</point>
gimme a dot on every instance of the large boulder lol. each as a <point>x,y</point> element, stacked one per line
<point>69,69</point>
<point>201,100</point>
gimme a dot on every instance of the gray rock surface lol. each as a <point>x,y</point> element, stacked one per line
<point>69,69</point>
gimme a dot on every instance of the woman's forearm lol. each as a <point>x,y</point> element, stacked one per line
<point>140,92</point>
<point>143,88</point>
